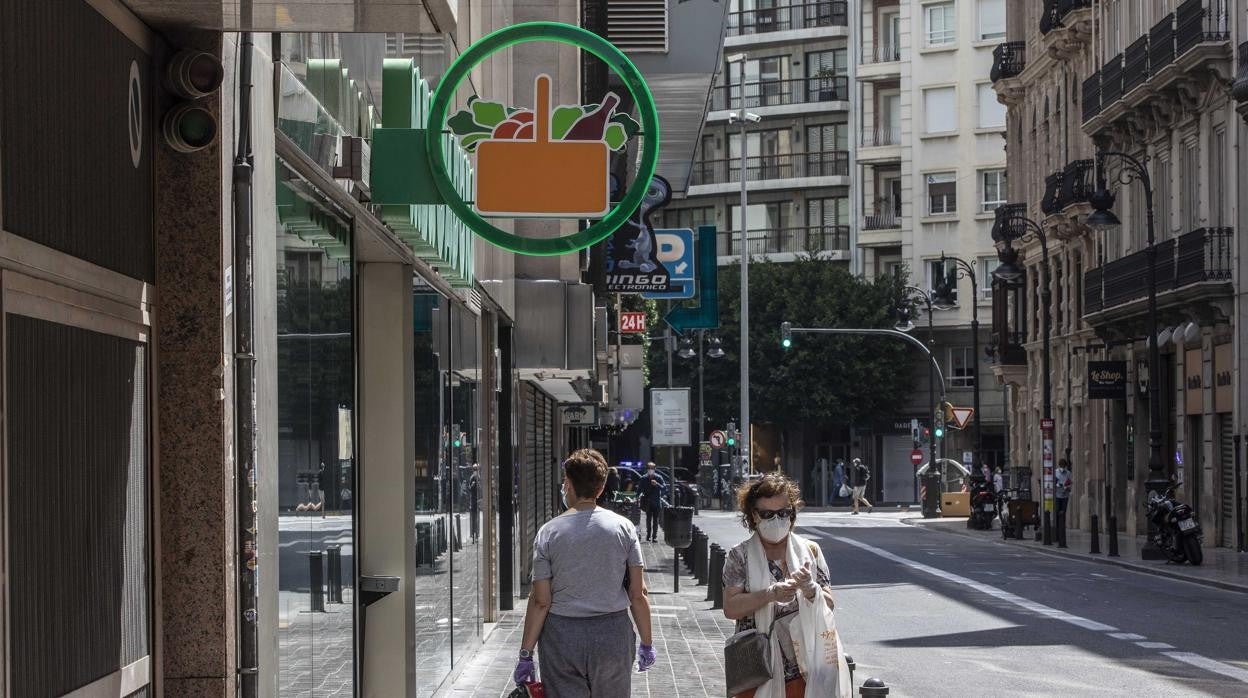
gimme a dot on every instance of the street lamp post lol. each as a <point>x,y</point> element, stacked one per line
<point>1103,218</point>
<point>744,118</point>
<point>964,269</point>
<point>906,326</point>
<point>1009,271</point>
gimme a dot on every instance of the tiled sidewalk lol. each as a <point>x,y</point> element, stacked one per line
<point>688,636</point>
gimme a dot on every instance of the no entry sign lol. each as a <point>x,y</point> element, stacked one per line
<point>916,457</point>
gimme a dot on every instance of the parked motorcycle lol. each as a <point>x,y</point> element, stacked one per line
<point>983,504</point>
<point>1178,530</point>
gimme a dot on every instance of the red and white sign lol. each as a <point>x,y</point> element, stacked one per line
<point>1046,461</point>
<point>962,416</point>
<point>916,457</point>
<point>632,322</point>
<point>718,439</point>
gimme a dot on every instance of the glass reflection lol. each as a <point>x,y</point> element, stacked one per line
<point>316,474</point>
<point>462,375</point>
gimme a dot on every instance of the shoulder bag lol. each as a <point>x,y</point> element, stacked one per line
<point>747,660</point>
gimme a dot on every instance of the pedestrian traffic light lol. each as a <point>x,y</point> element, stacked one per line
<point>940,424</point>
<point>786,335</point>
<point>732,434</point>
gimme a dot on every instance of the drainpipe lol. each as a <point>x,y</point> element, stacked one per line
<point>853,9</point>
<point>245,387</point>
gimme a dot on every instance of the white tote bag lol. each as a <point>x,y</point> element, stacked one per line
<point>827,673</point>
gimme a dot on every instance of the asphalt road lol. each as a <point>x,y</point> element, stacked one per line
<point>936,614</point>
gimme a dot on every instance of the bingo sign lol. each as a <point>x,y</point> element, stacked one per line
<point>546,159</point>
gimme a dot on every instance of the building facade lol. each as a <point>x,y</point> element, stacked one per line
<point>1151,80</point>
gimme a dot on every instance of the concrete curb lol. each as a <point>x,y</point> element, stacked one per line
<point>1104,560</point>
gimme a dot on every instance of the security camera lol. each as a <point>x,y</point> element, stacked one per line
<point>750,117</point>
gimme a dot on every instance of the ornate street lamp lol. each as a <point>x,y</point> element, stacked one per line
<point>945,295</point>
<point>906,324</point>
<point>1103,219</point>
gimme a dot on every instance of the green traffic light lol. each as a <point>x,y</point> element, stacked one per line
<point>786,343</point>
<point>940,433</point>
<point>732,442</point>
<point>458,443</point>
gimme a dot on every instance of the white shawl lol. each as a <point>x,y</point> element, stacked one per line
<point>818,647</point>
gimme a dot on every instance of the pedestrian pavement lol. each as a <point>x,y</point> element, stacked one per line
<point>1222,568</point>
<point>688,634</point>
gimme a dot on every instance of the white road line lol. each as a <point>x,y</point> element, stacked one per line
<point>1208,664</point>
<point>1196,660</point>
<point>1037,608</point>
<point>1155,645</point>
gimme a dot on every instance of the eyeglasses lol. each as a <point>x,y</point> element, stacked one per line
<point>769,514</point>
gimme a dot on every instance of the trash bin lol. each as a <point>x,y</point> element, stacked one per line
<point>931,495</point>
<point>678,526</point>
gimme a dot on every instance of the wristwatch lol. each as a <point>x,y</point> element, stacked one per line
<point>526,654</point>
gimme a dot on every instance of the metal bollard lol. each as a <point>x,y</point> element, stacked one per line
<point>1113,536</point>
<point>333,564</point>
<point>459,529</point>
<point>717,581</point>
<point>710,572</point>
<point>873,687</point>
<point>849,661</point>
<point>1048,528</point>
<point>316,581</point>
<point>1061,529</point>
<point>440,537</point>
<point>702,563</point>
<point>1096,536</point>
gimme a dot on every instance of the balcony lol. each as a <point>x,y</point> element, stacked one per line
<point>883,52</point>
<point>1008,60</point>
<point>1186,267</point>
<point>781,93</point>
<point>881,136</point>
<point>1055,12</point>
<point>810,239</point>
<point>1171,55</point>
<point>882,219</point>
<point>1240,89</point>
<point>832,13</point>
<point>773,168</point>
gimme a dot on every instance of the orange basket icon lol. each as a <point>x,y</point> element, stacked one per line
<point>541,177</point>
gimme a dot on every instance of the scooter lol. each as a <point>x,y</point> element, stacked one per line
<point>1178,530</point>
<point>983,504</point>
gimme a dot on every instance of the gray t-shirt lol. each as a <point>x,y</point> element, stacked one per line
<point>586,556</point>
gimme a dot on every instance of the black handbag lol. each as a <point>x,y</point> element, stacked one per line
<point>747,660</point>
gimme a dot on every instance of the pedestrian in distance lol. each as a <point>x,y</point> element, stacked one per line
<point>998,481</point>
<point>324,481</point>
<point>838,478</point>
<point>588,576</point>
<point>778,583</point>
<point>613,486</point>
<point>474,494</point>
<point>652,502</point>
<point>859,476</point>
<point>1062,485</point>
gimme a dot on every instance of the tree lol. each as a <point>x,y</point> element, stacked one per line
<point>821,379</point>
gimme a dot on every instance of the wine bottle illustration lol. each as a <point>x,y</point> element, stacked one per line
<point>593,125</point>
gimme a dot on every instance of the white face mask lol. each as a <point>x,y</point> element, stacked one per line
<point>773,530</point>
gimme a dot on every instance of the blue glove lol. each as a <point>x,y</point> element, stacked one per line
<point>645,657</point>
<point>525,672</point>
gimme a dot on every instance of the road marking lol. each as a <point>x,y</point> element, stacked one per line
<point>1196,660</point>
<point>1208,664</point>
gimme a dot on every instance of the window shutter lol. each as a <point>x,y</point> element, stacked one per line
<point>638,26</point>
<point>940,112</point>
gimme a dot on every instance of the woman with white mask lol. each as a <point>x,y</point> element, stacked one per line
<point>777,583</point>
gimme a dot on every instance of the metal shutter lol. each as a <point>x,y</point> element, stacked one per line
<point>638,26</point>
<point>1226,462</point>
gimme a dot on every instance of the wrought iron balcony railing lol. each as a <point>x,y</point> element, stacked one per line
<point>1052,190</point>
<point>832,163</point>
<point>830,13</point>
<point>1201,256</point>
<point>1161,44</point>
<point>1078,183</point>
<point>882,52</point>
<point>881,136</point>
<point>1054,13</point>
<point>1240,89</point>
<point>1111,81</point>
<point>883,219</point>
<point>774,93</point>
<point>814,238</point>
<point>1092,97</point>
<point>1008,60</point>
<point>1201,21</point>
<point>1135,70</point>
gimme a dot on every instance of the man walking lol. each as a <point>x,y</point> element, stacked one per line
<point>474,496</point>
<point>859,475</point>
<point>1062,484</point>
<point>652,502</point>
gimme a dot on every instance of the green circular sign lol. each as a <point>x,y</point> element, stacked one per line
<point>564,34</point>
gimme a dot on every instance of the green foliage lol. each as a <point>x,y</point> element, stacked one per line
<point>821,378</point>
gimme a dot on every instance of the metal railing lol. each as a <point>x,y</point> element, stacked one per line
<point>1201,21</point>
<point>773,93</point>
<point>1239,90</point>
<point>1135,70</point>
<point>1078,183</point>
<point>881,136</point>
<point>1161,44</point>
<point>1111,81</point>
<point>886,219</point>
<point>1008,60</point>
<point>1054,13</point>
<point>832,163</point>
<point>1201,256</point>
<point>882,52</point>
<point>813,238</point>
<point>831,13</point>
<point>1008,348</point>
<point>1092,97</point>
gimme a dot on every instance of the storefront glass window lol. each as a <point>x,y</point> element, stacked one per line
<point>316,458</point>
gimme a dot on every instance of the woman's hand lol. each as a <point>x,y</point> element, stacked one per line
<point>804,580</point>
<point>782,592</point>
<point>525,672</point>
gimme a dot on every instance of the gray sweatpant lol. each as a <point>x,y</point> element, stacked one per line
<point>582,657</point>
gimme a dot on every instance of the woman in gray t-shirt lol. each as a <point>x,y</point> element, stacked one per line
<point>587,576</point>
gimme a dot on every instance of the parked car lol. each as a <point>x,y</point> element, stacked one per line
<point>686,490</point>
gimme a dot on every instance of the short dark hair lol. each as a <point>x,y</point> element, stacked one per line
<point>769,485</point>
<point>586,469</point>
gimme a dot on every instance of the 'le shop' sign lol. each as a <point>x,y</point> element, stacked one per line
<point>1107,380</point>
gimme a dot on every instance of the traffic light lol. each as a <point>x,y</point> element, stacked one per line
<point>457,436</point>
<point>732,434</point>
<point>786,335</point>
<point>940,424</point>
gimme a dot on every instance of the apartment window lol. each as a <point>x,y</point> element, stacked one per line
<point>987,265</point>
<point>1191,185</point>
<point>940,113</point>
<point>992,190</point>
<point>836,61</point>
<point>768,154</point>
<point>942,193</point>
<point>764,81</point>
<point>991,19</point>
<point>939,274</point>
<point>991,112</point>
<point>1217,176</point>
<point>1161,193</point>
<point>961,367</point>
<point>829,211</point>
<point>762,217</point>
<point>689,217</point>
<point>942,23</point>
<point>826,138</point>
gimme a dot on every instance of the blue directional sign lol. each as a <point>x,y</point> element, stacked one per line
<point>677,253</point>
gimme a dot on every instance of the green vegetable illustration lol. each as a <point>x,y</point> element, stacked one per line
<point>484,120</point>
